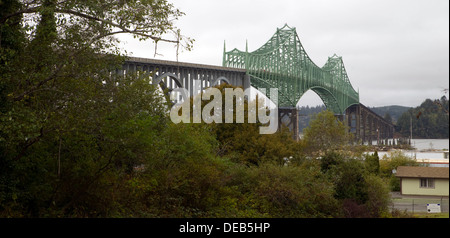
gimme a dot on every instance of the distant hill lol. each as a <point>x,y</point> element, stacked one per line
<point>394,111</point>
<point>429,120</point>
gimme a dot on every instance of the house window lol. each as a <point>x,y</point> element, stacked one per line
<point>427,183</point>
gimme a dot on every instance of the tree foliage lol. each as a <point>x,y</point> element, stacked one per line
<point>326,133</point>
<point>242,142</point>
<point>429,121</point>
<point>372,163</point>
<point>361,192</point>
<point>389,164</point>
<point>68,128</point>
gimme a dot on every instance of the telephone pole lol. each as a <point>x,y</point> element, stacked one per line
<point>410,130</point>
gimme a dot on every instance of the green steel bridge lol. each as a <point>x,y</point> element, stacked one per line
<point>283,63</point>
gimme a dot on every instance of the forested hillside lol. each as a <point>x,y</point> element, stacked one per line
<point>394,112</point>
<point>429,121</point>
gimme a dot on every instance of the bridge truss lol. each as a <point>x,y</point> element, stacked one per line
<point>284,64</point>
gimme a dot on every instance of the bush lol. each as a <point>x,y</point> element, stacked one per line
<point>288,191</point>
<point>378,196</point>
<point>361,192</point>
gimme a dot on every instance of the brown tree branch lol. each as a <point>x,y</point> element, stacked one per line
<point>86,16</point>
<point>124,29</point>
<point>28,144</point>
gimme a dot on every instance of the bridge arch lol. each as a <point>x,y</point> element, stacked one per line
<point>328,98</point>
<point>166,90</point>
<point>216,81</point>
<point>170,75</point>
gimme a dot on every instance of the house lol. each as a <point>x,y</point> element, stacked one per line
<point>427,181</point>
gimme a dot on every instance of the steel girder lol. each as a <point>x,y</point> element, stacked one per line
<point>283,63</point>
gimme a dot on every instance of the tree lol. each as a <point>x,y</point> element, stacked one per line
<point>270,190</point>
<point>378,198</point>
<point>144,19</point>
<point>389,164</point>
<point>326,133</point>
<point>429,120</point>
<point>372,163</point>
<point>68,128</point>
<point>69,29</point>
<point>388,117</point>
<point>64,50</point>
<point>242,142</point>
<point>357,186</point>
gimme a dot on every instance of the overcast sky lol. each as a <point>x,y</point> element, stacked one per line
<point>396,52</point>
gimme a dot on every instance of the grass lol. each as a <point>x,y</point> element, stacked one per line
<point>431,215</point>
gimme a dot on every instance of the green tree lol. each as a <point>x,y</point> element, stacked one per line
<point>68,171</point>
<point>379,198</point>
<point>69,130</point>
<point>389,164</point>
<point>372,163</point>
<point>182,178</point>
<point>326,133</point>
<point>429,120</point>
<point>349,182</point>
<point>361,192</point>
<point>242,142</point>
<point>65,52</point>
<point>269,190</point>
<point>388,117</point>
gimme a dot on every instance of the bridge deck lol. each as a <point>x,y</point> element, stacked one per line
<point>193,77</point>
<point>183,64</point>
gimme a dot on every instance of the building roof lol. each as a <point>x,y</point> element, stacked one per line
<point>422,172</point>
